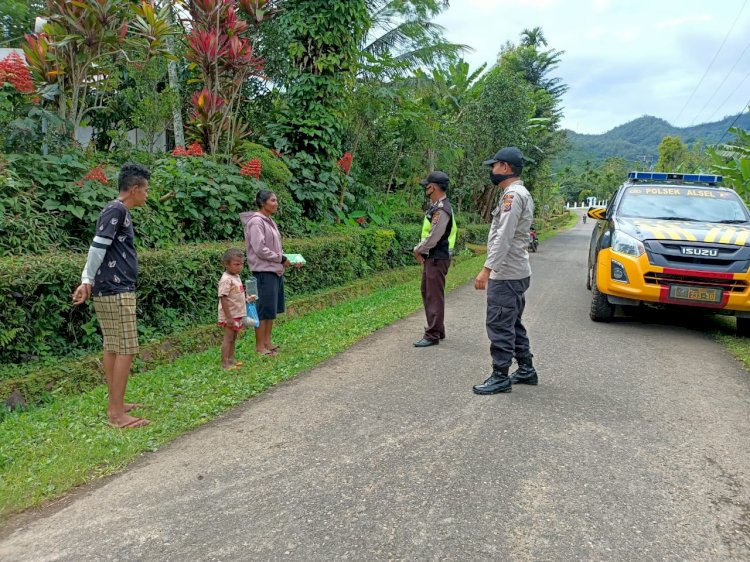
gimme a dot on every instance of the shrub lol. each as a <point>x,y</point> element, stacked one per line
<point>24,223</point>
<point>276,175</point>
<point>193,199</point>
<point>50,191</point>
<point>476,233</point>
<point>273,171</point>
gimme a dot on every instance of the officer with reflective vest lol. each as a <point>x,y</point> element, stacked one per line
<point>434,252</point>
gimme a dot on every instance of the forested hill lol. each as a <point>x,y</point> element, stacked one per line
<point>641,137</point>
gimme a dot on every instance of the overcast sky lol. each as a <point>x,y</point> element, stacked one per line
<point>624,58</point>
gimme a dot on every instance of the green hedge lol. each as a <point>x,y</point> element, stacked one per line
<point>176,287</point>
<point>477,233</point>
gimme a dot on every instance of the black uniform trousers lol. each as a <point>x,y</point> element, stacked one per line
<point>506,300</point>
<point>433,296</point>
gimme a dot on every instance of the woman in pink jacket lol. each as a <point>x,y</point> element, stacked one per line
<point>267,263</point>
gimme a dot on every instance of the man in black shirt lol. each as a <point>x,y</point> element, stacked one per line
<point>110,274</point>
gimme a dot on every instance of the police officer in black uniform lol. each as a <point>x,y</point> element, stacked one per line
<point>434,253</point>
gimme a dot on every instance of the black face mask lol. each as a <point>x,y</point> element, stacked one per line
<point>496,179</point>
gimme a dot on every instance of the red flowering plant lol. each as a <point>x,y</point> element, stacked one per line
<point>13,70</point>
<point>221,45</point>
<point>97,174</point>
<point>345,162</point>
<point>345,165</point>
<point>251,168</point>
<point>195,149</point>
<point>16,97</point>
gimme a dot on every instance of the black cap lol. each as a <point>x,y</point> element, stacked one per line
<point>509,154</point>
<point>440,178</point>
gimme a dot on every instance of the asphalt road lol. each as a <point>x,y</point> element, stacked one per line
<point>635,446</point>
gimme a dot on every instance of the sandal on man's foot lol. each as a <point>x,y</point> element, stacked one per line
<point>132,424</point>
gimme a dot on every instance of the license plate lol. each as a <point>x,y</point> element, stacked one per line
<point>697,294</point>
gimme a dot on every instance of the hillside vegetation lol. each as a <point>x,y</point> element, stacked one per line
<point>640,138</point>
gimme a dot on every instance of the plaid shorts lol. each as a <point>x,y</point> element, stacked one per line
<point>116,315</point>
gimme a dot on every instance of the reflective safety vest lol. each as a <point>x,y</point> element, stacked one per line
<point>444,248</point>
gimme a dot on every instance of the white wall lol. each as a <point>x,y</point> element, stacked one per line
<point>135,136</point>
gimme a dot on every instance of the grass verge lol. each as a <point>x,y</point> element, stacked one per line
<point>557,224</point>
<point>726,334</point>
<point>47,451</point>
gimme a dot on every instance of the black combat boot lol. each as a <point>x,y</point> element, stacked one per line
<point>498,382</point>
<point>526,373</point>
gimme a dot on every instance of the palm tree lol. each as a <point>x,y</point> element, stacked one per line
<point>533,37</point>
<point>402,38</point>
<point>533,63</point>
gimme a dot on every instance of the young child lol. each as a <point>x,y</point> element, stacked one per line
<point>232,309</point>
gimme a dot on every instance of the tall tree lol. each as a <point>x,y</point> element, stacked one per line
<point>178,127</point>
<point>322,42</point>
<point>498,117</point>
<point>534,64</point>
<point>673,154</point>
<point>401,38</point>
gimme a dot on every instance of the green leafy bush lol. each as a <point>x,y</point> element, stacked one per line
<point>42,190</point>
<point>276,176</point>
<point>476,233</point>
<point>273,171</point>
<point>46,202</point>
<point>200,196</point>
<point>24,223</point>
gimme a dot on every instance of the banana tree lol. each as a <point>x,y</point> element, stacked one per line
<point>732,160</point>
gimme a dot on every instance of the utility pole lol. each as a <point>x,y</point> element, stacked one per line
<point>646,160</point>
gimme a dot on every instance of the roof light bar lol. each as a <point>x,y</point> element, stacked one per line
<point>664,176</point>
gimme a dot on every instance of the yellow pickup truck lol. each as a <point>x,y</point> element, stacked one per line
<point>671,240</point>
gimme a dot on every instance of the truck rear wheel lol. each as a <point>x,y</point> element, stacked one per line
<point>743,327</point>
<point>601,309</point>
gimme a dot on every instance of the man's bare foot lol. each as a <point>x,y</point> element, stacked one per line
<point>268,352</point>
<point>131,407</point>
<point>128,422</point>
